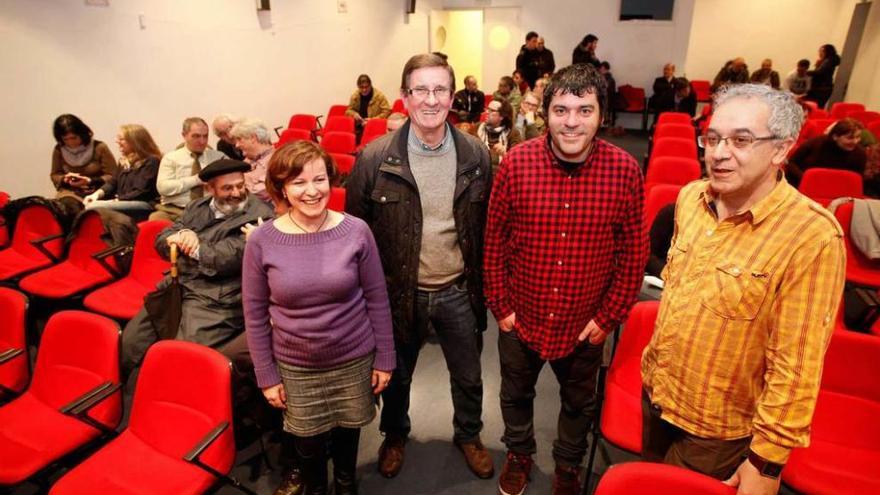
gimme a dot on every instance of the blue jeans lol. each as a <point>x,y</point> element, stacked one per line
<point>449,312</point>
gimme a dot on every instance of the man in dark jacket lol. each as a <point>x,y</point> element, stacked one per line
<point>529,60</point>
<point>424,190</point>
<point>546,63</point>
<point>469,102</point>
<point>211,245</point>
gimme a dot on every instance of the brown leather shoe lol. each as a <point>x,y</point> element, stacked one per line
<point>391,455</point>
<point>565,481</point>
<point>478,458</point>
<point>292,484</point>
<point>515,474</point>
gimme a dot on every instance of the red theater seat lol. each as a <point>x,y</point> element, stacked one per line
<point>303,121</point>
<point>124,298</point>
<point>656,198</point>
<point>76,381</point>
<point>683,131</point>
<point>823,185</point>
<point>344,163</point>
<point>339,142</point>
<point>81,270</point>
<point>337,199</point>
<point>842,109</point>
<point>291,135</point>
<point>373,129</point>
<point>859,269</point>
<point>172,413</point>
<point>844,451</point>
<point>702,90</point>
<point>671,170</point>
<point>674,118</point>
<point>37,242</point>
<point>643,478</point>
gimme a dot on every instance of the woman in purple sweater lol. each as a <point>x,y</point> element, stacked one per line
<point>317,317</point>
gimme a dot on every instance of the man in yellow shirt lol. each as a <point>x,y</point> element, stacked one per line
<point>753,280</point>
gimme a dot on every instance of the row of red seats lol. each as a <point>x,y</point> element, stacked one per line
<point>844,448</point>
<point>178,438</point>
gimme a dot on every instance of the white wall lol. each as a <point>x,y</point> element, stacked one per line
<point>197,57</point>
<point>782,30</point>
<point>864,84</point>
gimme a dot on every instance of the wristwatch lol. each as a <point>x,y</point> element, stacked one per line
<point>766,468</point>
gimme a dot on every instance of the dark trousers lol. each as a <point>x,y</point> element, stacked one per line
<point>449,312</point>
<point>666,443</point>
<point>576,375</point>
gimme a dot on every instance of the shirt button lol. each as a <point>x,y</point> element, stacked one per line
<point>556,290</point>
<point>709,233</point>
<point>567,206</point>
<point>735,271</point>
<point>563,234</point>
<point>383,199</point>
<point>551,315</point>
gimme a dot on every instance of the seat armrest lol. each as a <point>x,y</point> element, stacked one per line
<point>40,245</point>
<point>204,443</point>
<point>101,257</point>
<point>79,407</point>
<point>8,354</point>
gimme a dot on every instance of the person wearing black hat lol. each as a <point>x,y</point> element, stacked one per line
<point>211,243</point>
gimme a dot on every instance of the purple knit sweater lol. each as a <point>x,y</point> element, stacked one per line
<point>315,300</point>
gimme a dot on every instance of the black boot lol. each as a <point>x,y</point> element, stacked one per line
<point>312,453</point>
<point>344,448</point>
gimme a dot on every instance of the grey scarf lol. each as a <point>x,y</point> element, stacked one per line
<point>79,156</point>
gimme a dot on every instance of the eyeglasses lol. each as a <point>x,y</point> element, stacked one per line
<point>740,141</point>
<point>421,93</point>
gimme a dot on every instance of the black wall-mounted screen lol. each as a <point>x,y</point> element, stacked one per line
<point>410,6</point>
<point>651,10</point>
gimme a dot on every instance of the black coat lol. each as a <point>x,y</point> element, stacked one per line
<point>382,191</point>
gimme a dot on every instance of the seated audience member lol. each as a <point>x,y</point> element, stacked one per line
<point>546,63</point>
<point>661,237</point>
<point>839,149</point>
<point>508,91</point>
<point>529,121</point>
<point>822,75</point>
<point>585,51</point>
<point>521,84</point>
<point>663,86</point>
<point>225,143</point>
<point>497,132</point>
<point>211,246</point>
<point>178,180</point>
<point>734,72</point>
<point>766,75</point>
<point>367,102</point>
<point>682,99</point>
<point>317,317</point>
<point>469,102</point>
<point>540,84</point>
<point>80,164</point>
<point>527,63</point>
<point>132,188</point>
<point>253,139</point>
<point>396,120</point>
<point>797,81</point>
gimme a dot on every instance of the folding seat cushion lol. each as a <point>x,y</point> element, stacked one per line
<point>859,269</point>
<point>78,352</point>
<point>171,413</point>
<point>638,478</point>
<point>13,314</point>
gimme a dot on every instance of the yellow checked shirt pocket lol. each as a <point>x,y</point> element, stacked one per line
<point>735,292</point>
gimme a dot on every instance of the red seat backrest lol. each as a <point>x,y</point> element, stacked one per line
<point>78,351</point>
<point>865,117</point>
<point>674,118</point>
<point>398,106</point>
<point>291,135</point>
<point>672,170</point>
<point>702,90</point>
<point>344,163</point>
<point>825,184</point>
<point>851,365</point>
<point>337,199</point>
<point>854,257</point>
<point>684,131</point>
<point>172,410</point>
<point>147,266</point>
<point>88,240</point>
<point>373,129</point>
<point>637,332</point>
<point>306,122</point>
<point>842,109</point>
<point>635,97</point>
<point>671,146</point>
<point>336,110</point>
<point>34,222</point>
<point>657,197</point>
<point>339,123</point>
<point>338,142</point>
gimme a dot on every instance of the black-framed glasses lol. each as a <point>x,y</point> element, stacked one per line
<point>422,93</point>
<point>740,141</point>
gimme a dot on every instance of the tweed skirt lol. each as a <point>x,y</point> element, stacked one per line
<point>321,399</point>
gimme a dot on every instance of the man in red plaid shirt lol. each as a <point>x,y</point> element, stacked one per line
<point>564,257</point>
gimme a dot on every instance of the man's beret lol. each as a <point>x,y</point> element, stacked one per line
<point>222,166</point>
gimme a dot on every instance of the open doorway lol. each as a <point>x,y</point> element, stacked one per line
<point>479,42</point>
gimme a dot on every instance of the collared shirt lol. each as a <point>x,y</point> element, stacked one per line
<point>564,247</point>
<point>745,318</point>
<point>255,179</point>
<point>175,177</point>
